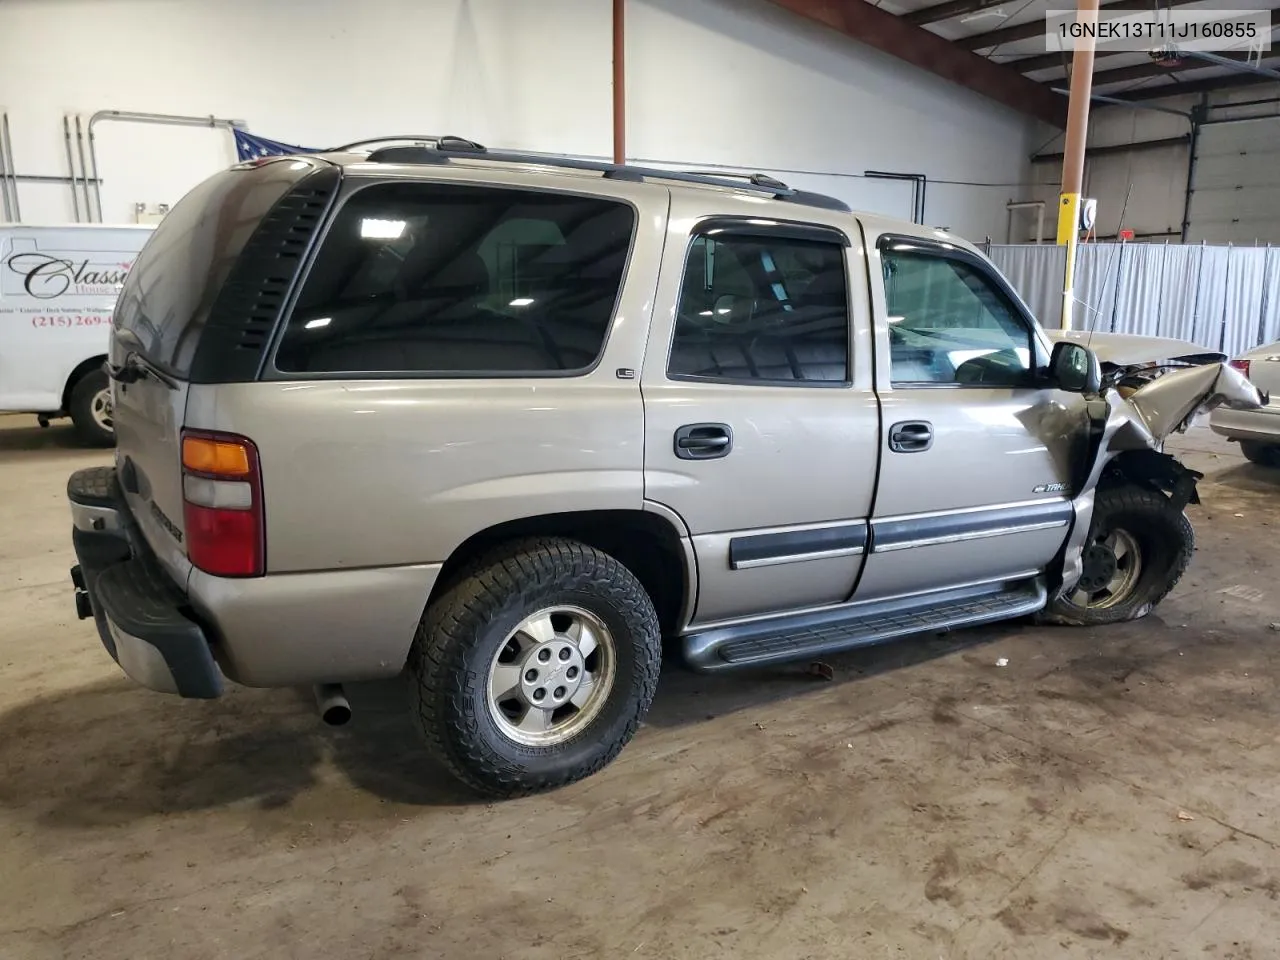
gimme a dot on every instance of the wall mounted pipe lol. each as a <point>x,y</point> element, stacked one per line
<point>1037,205</point>
<point>84,173</point>
<point>13,170</point>
<point>130,116</point>
<point>71,167</point>
<point>6,172</point>
<point>919,183</point>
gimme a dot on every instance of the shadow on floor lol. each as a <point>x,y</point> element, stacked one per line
<point>686,698</point>
<point>110,753</point>
<point>1249,477</point>
<point>22,435</point>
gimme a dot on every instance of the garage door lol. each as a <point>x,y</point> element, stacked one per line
<point>1236,183</point>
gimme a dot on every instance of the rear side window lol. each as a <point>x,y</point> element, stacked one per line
<point>168,295</point>
<point>769,309</point>
<point>460,280</point>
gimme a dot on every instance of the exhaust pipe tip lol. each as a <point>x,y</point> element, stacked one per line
<point>331,702</point>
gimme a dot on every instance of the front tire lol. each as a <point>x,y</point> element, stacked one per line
<point>90,409</point>
<point>535,669</point>
<point>1139,546</point>
<point>1263,454</point>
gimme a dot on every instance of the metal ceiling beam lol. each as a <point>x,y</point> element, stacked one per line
<point>1043,61</point>
<point>947,11</point>
<point>1104,151</point>
<point>1227,81</point>
<point>1035,28</point>
<point>1141,71</point>
<point>878,28</point>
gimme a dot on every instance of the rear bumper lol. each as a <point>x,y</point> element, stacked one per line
<point>1261,425</point>
<point>142,616</point>
<point>284,629</point>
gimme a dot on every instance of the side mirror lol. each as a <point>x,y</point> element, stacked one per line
<point>1075,368</point>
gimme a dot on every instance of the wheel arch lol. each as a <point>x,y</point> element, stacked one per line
<point>77,374</point>
<point>647,543</point>
<point>1154,470</point>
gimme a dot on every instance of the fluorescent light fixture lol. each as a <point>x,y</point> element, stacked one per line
<point>317,323</point>
<point>521,301</point>
<point>372,229</point>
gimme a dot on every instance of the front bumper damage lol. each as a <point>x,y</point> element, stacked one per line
<point>142,616</point>
<point>1128,435</point>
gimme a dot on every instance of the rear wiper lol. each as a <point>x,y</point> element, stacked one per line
<point>135,367</point>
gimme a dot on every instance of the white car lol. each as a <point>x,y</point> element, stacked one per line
<point>1257,431</point>
<point>58,286</point>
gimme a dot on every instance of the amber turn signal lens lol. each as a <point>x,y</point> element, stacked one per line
<point>217,457</point>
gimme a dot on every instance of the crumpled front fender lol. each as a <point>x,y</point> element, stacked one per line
<point>1170,403</point>
<point>1142,422</point>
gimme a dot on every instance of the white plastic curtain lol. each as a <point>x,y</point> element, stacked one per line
<point>1269,328</point>
<point>1220,297</point>
<point>1037,272</point>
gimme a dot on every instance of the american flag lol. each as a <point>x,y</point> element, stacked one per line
<point>251,147</point>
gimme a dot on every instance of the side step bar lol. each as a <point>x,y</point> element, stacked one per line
<point>798,637</point>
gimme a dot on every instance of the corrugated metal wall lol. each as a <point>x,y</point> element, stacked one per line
<point>1236,182</point>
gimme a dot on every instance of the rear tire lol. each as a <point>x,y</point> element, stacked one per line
<point>1263,454</point>
<point>90,409</point>
<point>544,621</point>
<point>1138,549</point>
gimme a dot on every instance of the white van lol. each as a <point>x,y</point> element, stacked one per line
<point>58,286</point>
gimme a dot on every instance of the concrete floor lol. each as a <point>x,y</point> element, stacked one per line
<point>1107,793</point>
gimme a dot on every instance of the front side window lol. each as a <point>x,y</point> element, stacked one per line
<point>769,309</point>
<point>464,280</point>
<point>950,324</point>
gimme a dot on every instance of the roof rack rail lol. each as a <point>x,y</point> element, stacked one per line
<point>759,179</point>
<point>460,144</point>
<point>442,149</point>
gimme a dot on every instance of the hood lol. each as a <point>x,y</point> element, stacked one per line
<point>1131,349</point>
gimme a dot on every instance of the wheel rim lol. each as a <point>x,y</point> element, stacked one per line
<point>100,410</point>
<point>552,675</point>
<point>1112,569</point>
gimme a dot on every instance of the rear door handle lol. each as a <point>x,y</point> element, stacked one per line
<point>911,436</point>
<point>703,441</point>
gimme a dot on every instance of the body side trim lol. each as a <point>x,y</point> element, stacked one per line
<point>789,546</point>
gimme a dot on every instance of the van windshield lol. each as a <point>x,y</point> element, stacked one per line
<point>168,294</point>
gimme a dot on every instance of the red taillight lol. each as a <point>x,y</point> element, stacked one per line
<point>222,504</point>
<point>1242,366</point>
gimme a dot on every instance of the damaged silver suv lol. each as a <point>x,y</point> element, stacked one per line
<point>507,422</point>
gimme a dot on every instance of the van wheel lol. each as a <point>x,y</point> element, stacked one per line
<point>1138,548</point>
<point>535,670</point>
<point>90,409</point>
<point>1263,454</point>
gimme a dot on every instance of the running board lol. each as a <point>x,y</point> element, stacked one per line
<point>801,636</point>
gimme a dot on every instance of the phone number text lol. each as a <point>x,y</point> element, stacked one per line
<point>70,320</point>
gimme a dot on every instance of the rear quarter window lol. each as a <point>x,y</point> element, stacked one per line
<point>166,300</point>
<point>441,279</point>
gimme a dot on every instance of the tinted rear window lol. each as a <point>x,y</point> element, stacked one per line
<point>167,297</point>
<point>445,279</point>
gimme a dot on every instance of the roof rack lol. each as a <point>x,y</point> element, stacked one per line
<point>443,149</point>
<point>459,144</point>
